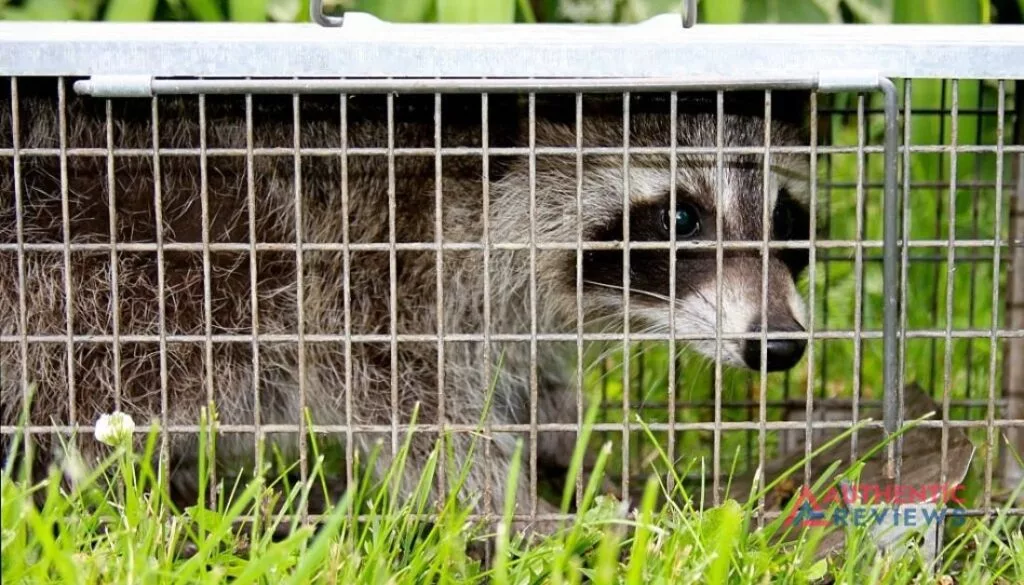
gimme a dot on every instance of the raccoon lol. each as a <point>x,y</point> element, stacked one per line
<point>176,309</point>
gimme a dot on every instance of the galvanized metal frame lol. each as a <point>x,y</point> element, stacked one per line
<point>368,48</point>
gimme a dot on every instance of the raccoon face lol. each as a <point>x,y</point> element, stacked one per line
<point>738,192</point>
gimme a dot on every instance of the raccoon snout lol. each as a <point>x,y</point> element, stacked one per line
<point>782,354</point>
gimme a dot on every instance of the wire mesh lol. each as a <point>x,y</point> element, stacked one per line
<point>270,254</point>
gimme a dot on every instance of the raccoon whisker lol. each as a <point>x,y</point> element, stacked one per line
<point>702,296</point>
<point>650,390</point>
<point>607,349</point>
<point>645,348</point>
<point>605,323</point>
<point>639,291</point>
<point>689,287</point>
<point>604,350</point>
<point>603,378</point>
<point>649,328</point>
<point>702,368</point>
<point>789,172</point>
<point>617,371</point>
<point>601,319</point>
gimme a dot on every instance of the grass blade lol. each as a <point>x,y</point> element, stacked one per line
<point>725,523</point>
<point>470,11</point>
<point>527,13</point>
<point>770,11</point>
<point>722,11</point>
<point>38,10</point>
<point>130,10</point>
<point>206,10</point>
<point>644,521</point>
<point>247,10</point>
<point>936,12</point>
<point>392,11</point>
<point>870,12</point>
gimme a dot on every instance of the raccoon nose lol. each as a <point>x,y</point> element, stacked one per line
<point>782,353</point>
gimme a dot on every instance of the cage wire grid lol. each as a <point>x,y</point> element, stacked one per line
<point>763,417</point>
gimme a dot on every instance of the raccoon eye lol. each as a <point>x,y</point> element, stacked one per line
<point>687,221</point>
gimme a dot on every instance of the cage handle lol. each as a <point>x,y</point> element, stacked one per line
<point>317,14</point>
<point>690,17</point>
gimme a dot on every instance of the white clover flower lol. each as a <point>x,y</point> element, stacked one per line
<point>114,429</point>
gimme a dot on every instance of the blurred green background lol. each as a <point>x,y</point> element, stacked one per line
<point>723,11</point>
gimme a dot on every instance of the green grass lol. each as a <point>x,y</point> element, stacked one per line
<point>116,525</point>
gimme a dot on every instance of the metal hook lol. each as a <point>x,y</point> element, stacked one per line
<point>690,18</point>
<point>316,14</point>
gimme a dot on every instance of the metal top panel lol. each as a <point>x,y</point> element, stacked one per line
<point>367,47</point>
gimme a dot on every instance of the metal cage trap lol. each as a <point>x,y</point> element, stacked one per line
<point>914,282</point>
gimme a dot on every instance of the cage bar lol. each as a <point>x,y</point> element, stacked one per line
<point>578,115</point>
<point>949,284</point>
<point>626,268</point>
<point>1013,362</point>
<point>250,200</point>
<point>485,240</point>
<point>69,314</point>
<point>204,202</point>
<point>161,288</point>
<point>115,310</point>
<point>19,212</point>
<point>762,410</point>
<point>716,460</point>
